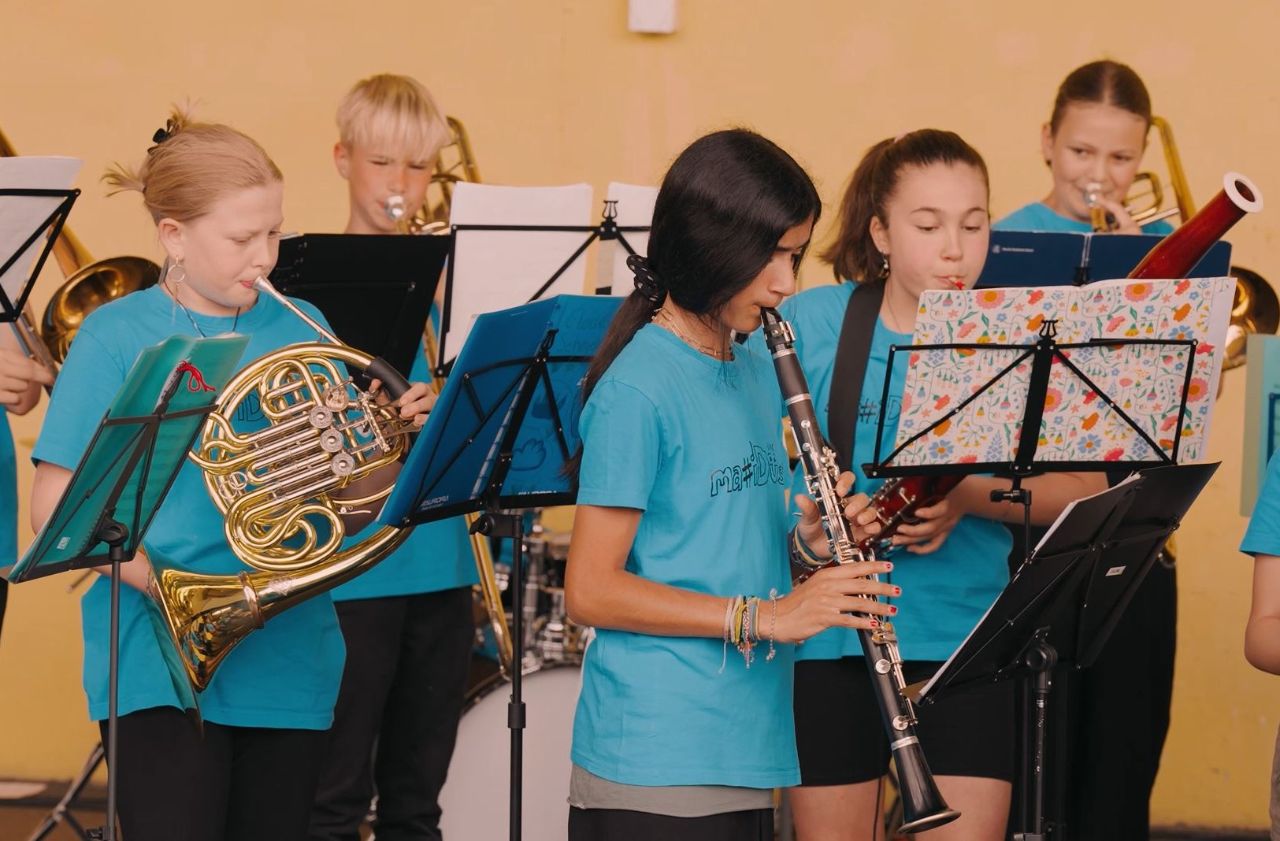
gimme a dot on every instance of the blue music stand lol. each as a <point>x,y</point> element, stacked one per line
<point>500,437</point>
<point>123,476</point>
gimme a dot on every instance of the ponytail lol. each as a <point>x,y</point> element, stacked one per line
<point>853,254</point>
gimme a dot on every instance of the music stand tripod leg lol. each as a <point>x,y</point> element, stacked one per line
<point>61,811</point>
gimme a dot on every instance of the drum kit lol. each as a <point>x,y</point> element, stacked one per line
<point>553,647</point>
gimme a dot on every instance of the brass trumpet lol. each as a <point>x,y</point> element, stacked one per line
<point>285,490</point>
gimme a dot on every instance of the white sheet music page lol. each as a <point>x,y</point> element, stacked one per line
<point>496,270</point>
<point>20,216</point>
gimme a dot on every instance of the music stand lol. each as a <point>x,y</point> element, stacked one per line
<point>127,469</point>
<point>34,213</point>
<point>607,230</point>
<point>1035,363</point>
<point>498,440</point>
<point>1045,353</point>
<point>375,290</point>
<point>1065,600</point>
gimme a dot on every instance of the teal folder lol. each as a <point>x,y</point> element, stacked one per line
<point>179,379</point>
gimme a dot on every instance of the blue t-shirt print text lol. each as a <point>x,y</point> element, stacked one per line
<point>869,410</point>
<point>758,468</point>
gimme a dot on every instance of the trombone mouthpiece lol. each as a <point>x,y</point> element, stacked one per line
<point>394,208</point>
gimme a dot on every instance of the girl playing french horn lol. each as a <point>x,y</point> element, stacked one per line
<point>217,202</point>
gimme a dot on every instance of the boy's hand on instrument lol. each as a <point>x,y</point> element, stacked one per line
<point>829,599</point>
<point>17,373</point>
<point>1124,223</point>
<point>935,523</point>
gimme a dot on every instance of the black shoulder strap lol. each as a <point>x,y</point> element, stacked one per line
<point>851,367</point>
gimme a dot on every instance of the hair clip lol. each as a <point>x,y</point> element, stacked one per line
<point>163,134</point>
<point>646,281</point>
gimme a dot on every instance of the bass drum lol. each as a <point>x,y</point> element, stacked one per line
<point>476,797</point>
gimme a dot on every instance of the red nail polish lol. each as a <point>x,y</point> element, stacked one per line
<point>875,624</point>
<point>897,591</point>
<point>893,610</point>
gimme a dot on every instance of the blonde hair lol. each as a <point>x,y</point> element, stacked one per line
<point>395,111</point>
<point>193,165</point>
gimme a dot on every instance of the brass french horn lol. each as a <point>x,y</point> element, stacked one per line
<point>286,492</point>
<point>89,284</point>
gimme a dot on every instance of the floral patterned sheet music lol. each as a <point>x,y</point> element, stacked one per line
<point>1080,421</point>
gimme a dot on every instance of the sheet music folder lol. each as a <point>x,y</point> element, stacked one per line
<point>1082,575</point>
<point>457,464</point>
<point>159,410</point>
<point>1060,258</point>
<point>375,289</point>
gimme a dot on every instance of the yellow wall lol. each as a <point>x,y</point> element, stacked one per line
<point>557,92</point>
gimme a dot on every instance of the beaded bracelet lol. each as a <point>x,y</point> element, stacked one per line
<point>802,555</point>
<point>773,621</point>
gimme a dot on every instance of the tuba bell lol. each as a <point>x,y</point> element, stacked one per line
<point>291,492</point>
<point>89,284</point>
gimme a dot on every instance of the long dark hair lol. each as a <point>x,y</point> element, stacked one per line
<point>1107,82</point>
<point>853,254</point>
<point>722,207</point>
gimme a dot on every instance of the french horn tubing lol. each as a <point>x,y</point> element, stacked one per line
<point>286,492</point>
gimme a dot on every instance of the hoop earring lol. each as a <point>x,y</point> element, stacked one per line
<point>176,274</point>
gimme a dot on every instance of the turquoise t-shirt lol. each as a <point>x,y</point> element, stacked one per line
<point>1262,537</point>
<point>944,593</point>
<point>436,556</point>
<point>693,443</point>
<point>1037,216</point>
<point>8,494</point>
<point>285,675</point>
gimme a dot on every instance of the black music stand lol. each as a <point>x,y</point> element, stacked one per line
<point>498,441</point>
<point>48,210</point>
<point>375,289</point>
<point>49,225</point>
<point>123,476</point>
<point>1065,600</point>
<point>608,229</point>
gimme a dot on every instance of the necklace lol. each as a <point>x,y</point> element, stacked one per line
<point>192,318</point>
<point>891,317</point>
<point>666,320</point>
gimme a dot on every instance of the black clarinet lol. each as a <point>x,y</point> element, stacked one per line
<point>923,806</point>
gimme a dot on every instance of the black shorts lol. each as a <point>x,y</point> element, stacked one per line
<point>841,738</point>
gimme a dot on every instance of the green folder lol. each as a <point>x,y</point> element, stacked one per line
<point>135,453</point>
